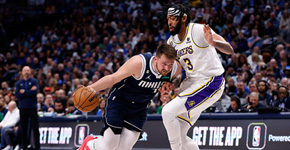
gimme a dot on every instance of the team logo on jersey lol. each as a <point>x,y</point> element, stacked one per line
<point>184,51</point>
<point>188,40</point>
<point>148,77</point>
<point>191,103</point>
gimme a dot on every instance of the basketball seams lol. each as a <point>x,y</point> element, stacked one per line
<point>92,104</point>
<point>86,105</point>
<point>88,97</point>
<point>80,96</point>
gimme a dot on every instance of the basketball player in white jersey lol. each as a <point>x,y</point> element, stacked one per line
<point>196,46</point>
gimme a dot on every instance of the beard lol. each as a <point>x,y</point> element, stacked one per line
<point>162,72</point>
<point>176,29</point>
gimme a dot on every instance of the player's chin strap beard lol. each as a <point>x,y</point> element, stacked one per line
<point>176,29</point>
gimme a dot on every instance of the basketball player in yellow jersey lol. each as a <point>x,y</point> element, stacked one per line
<point>196,46</point>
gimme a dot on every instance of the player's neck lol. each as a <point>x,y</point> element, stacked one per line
<point>181,34</point>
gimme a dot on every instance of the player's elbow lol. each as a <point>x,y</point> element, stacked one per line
<point>230,51</point>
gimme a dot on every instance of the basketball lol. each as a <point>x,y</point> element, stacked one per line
<point>86,99</point>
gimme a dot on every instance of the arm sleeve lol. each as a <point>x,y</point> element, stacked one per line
<point>17,94</point>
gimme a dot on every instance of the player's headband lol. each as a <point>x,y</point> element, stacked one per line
<point>175,12</point>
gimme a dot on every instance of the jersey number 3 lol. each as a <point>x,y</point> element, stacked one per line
<point>189,64</point>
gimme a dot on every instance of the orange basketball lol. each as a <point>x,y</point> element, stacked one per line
<point>86,99</point>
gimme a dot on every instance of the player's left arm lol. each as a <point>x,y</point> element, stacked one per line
<point>176,78</point>
<point>217,41</point>
<point>174,83</point>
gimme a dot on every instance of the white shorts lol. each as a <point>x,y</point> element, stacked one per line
<point>198,95</point>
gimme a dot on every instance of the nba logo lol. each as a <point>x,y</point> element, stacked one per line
<point>256,136</point>
<point>81,131</point>
<point>81,135</point>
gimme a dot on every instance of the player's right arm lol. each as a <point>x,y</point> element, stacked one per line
<point>131,67</point>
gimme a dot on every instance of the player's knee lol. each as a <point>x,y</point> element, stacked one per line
<point>167,114</point>
<point>116,130</point>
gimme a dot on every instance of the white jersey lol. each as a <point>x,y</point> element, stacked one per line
<point>196,56</point>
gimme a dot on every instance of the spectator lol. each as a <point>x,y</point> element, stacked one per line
<point>26,91</point>
<point>274,66</point>
<point>59,108</point>
<point>263,71</point>
<point>3,109</point>
<point>230,86</point>
<point>5,88</point>
<point>283,64</point>
<point>285,38</point>
<point>287,72</point>
<point>242,91</point>
<point>264,96</point>
<point>71,109</point>
<point>272,24</point>
<point>242,59</point>
<point>253,87</point>
<point>278,49</point>
<point>258,76</point>
<point>49,101</point>
<point>284,81</point>
<point>7,99</point>
<point>273,90</point>
<point>12,137</point>
<point>283,100</point>
<point>9,121</point>
<point>223,103</point>
<point>102,106</point>
<point>247,77</point>
<point>238,17</point>
<point>254,60</point>
<point>242,43</point>
<point>40,103</point>
<point>47,91</point>
<point>254,38</point>
<point>235,105</point>
<point>285,20</point>
<point>253,104</point>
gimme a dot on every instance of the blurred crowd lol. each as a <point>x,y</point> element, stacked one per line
<point>69,43</point>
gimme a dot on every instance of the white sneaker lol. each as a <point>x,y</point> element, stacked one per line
<point>17,147</point>
<point>8,148</point>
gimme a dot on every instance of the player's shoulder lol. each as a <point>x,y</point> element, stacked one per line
<point>140,59</point>
<point>197,35</point>
<point>197,27</point>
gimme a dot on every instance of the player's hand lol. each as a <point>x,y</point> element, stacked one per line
<point>34,87</point>
<point>165,98</point>
<point>167,86</point>
<point>207,34</point>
